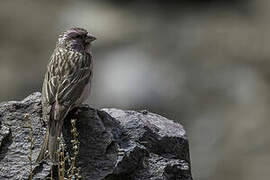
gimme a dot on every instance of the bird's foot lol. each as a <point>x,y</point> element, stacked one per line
<point>83,107</point>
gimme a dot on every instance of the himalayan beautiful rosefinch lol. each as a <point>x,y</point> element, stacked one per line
<point>66,85</point>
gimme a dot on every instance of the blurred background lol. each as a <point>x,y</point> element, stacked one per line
<point>203,63</point>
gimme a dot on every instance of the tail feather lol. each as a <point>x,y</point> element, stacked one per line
<point>44,146</point>
<point>55,129</point>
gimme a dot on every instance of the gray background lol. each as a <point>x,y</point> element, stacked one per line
<point>202,63</point>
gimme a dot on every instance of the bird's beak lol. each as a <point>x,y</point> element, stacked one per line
<point>90,38</point>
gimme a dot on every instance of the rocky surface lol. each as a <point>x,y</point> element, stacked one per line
<point>114,144</point>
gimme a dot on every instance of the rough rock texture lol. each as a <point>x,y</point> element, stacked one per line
<point>114,144</point>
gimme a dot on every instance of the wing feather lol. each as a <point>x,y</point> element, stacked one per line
<point>66,79</point>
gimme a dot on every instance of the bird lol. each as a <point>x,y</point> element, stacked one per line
<point>66,85</point>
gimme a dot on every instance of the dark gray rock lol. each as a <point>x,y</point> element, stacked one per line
<point>114,144</point>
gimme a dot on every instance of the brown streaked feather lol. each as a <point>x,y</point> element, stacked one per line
<point>62,87</point>
<point>66,84</point>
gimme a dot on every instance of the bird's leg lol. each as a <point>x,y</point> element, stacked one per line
<point>84,107</point>
<point>77,110</point>
<point>81,108</point>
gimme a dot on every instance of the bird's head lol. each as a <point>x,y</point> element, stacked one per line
<point>77,39</point>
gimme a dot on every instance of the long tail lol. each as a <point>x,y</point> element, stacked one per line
<point>51,142</point>
<point>44,146</point>
<point>55,129</point>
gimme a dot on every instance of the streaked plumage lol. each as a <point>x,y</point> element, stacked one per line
<point>66,85</point>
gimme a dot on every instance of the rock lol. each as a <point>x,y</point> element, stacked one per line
<point>114,144</point>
